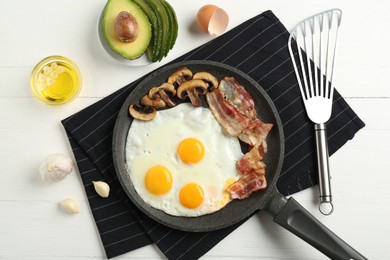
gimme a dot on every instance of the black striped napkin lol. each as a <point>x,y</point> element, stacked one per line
<point>257,47</point>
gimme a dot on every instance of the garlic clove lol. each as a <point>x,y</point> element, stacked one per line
<point>102,188</point>
<point>70,205</point>
<point>56,167</point>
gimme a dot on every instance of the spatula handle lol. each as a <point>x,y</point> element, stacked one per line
<point>293,217</point>
<point>326,206</point>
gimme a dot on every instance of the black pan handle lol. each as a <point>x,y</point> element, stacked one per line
<point>289,214</point>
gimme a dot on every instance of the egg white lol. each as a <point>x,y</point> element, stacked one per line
<point>155,142</point>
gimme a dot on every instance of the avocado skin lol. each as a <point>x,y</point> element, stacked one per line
<point>155,45</point>
<point>173,22</point>
<point>134,49</point>
<point>165,27</point>
<point>162,14</point>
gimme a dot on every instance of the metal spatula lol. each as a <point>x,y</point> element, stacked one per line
<point>312,47</point>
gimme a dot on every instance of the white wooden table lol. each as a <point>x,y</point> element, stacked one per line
<point>33,227</point>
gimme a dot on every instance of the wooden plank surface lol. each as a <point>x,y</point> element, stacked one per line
<point>33,227</point>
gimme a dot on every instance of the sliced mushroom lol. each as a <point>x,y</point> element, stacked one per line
<point>161,92</point>
<point>156,102</point>
<point>192,89</point>
<point>179,76</point>
<point>144,113</point>
<point>208,78</point>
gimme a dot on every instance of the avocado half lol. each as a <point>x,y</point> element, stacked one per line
<point>136,48</point>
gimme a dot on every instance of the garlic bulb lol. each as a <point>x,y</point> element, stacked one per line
<point>101,188</point>
<point>56,167</point>
<point>70,205</point>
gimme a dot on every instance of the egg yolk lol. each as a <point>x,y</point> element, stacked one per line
<point>158,180</point>
<point>191,195</point>
<point>190,150</point>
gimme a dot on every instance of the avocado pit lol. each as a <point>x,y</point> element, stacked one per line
<point>126,27</point>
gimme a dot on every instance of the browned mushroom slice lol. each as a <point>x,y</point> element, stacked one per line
<point>156,102</point>
<point>162,92</point>
<point>192,89</point>
<point>179,76</point>
<point>144,113</point>
<point>208,78</point>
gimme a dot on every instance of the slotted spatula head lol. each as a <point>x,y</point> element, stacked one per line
<point>312,47</point>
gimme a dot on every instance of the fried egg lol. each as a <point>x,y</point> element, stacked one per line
<point>182,161</point>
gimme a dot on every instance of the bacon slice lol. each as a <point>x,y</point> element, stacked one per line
<point>251,161</point>
<point>256,132</point>
<point>226,114</point>
<point>234,122</point>
<point>234,109</point>
<point>253,174</point>
<point>238,96</point>
<point>246,185</point>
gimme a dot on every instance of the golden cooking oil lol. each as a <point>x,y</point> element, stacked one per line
<point>56,80</point>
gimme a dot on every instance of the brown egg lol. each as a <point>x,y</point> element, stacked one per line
<point>212,19</point>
